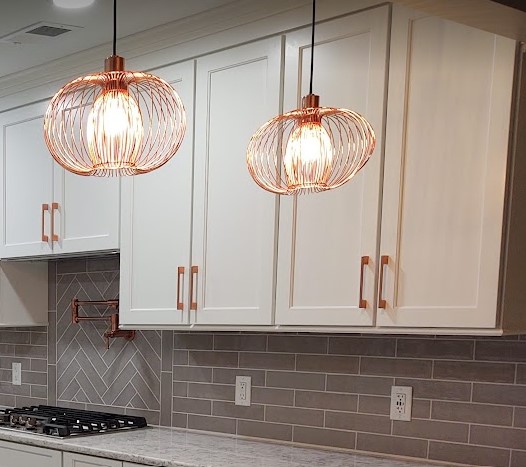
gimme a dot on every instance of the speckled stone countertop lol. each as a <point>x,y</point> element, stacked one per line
<point>174,447</point>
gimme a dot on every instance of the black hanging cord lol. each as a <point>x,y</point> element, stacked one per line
<point>311,44</point>
<point>114,27</point>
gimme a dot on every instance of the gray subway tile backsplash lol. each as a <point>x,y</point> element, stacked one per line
<point>396,445</point>
<point>455,349</point>
<point>521,374</point>
<point>474,371</point>
<point>500,351</point>
<point>518,459</point>
<point>469,403</point>
<point>520,418</point>
<point>431,429</point>
<point>324,437</point>
<point>266,430</point>
<point>467,454</point>
<point>472,413</point>
<point>504,394</point>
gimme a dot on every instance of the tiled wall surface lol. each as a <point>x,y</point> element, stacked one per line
<point>125,375</point>
<point>329,390</point>
<point>29,347</point>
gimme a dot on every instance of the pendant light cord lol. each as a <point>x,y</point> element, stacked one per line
<point>311,44</point>
<point>114,27</point>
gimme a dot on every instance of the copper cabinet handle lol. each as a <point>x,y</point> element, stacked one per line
<point>180,275</point>
<point>54,236</point>
<point>365,261</point>
<point>45,238</point>
<point>193,274</point>
<point>384,261</point>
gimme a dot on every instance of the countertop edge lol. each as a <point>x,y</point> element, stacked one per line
<point>68,446</point>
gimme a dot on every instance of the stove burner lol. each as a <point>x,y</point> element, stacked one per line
<point>62,422</point>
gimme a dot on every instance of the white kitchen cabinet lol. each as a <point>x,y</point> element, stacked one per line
<point>46,210</point>
<point>206,256</point>
<point>156,228</point>
<point>326,239</point>
<point>80,460</point>
<point>234,221</point>
<point>16,454</point>
<point>433,222</point>
<point>445,174</point>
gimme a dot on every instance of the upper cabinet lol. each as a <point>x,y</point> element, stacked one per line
<point>46,210</point>
<point>218,269</point>
<point>420,240</point>
<point>446,156</point>
<point>328,241</point>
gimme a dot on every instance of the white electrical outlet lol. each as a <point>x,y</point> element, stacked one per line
<point>401,403</point>
<point>243,390</point>
<point>17,374</point>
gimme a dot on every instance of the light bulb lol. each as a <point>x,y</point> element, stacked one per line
<point>114,130</point>
<point>308,156</point>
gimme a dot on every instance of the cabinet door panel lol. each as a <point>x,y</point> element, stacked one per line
<point>87,218</point>
<point>234,219</point>
<point>156,227</point>
<point>27,178</point>
<point>448,120</point>
<point>323,236</point>
<point>12,454</point>
<point>80,460</point>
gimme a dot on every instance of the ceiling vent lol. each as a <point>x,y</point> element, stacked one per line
<point>37,33</point>
<point>48,31</point>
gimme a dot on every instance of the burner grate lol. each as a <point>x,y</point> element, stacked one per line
<point>62,422</point>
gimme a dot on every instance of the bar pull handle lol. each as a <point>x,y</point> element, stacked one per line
<point>364,262</point>
<point>54,236</point>
<point>45,207</point>
<point>384,261</point>
<point>180,276</point>
<point>193,275</point>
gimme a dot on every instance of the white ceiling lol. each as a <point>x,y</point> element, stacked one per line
<point>96,23</point>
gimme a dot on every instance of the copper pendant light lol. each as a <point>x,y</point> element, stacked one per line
<point>311,149</point>
<point>116,122</point>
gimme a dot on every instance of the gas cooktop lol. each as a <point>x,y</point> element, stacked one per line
<point>63,422</point>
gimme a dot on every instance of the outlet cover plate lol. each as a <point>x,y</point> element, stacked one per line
<point>17,374</point>
<point>243,390</point>
<point>401,403</point>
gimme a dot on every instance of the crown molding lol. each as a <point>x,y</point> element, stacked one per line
<point>481,14</point>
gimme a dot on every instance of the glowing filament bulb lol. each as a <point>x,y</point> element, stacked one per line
<point>114,130</point>
<point>308,156</point>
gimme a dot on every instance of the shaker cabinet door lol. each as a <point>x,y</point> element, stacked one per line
<point>80,460</point>
<point>156,228</point>
<point>26,182</point>
<point>87,212</point>
<point>16,454</point>
<point>445,173</point>
<point>325,239</point>
<point>234,221</point>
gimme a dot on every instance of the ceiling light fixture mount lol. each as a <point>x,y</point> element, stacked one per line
<point>116,122</point>
<point>311,149</point>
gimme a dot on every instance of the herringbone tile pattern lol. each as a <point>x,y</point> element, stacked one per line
<point>125,375</point>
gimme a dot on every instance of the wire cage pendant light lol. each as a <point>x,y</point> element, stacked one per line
<point>116,122</point>
<point>311,149</point>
